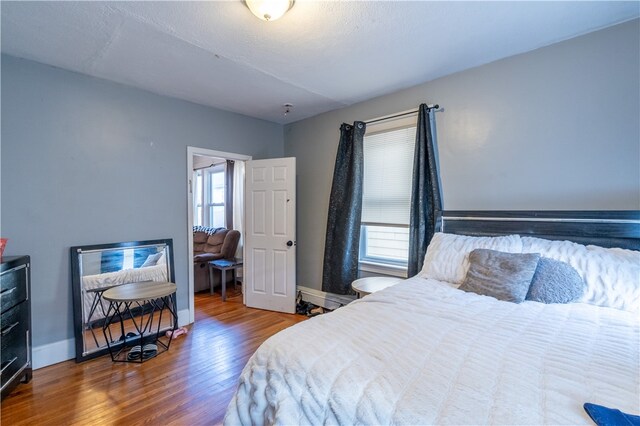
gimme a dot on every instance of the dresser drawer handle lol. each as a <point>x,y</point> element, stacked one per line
<point>8,364</point>
<point>7,291</point>
<point>8,329</point>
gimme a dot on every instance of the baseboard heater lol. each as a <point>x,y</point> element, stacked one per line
<point>324,299</point>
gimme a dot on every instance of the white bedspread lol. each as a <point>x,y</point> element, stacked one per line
<point>110,279</point>
<point>422,352</point>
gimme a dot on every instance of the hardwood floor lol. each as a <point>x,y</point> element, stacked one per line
<point>191,384</point>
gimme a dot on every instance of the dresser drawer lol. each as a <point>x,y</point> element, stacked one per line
<point>13,287</point>
<point>15,341</point>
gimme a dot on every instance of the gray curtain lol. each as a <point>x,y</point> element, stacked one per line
<point>345,207</point>
<point>425,194</point>
<point>228,195</point>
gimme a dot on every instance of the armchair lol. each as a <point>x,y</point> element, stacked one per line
<point>211,244</point>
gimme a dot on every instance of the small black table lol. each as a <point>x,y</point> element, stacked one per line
<point>223,265</point>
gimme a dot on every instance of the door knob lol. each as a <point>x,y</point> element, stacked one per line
<point>289,243</point>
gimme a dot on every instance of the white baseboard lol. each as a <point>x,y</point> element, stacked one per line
<point>53,353</point>
<point>324,299</point>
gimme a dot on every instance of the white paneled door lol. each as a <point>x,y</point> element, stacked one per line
<point>270,241</point>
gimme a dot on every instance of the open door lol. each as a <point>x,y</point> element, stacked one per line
<point>270,242</point>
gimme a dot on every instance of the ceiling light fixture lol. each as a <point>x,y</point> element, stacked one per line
<point>269,10</point>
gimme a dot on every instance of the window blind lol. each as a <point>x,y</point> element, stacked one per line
<point>388,170</point>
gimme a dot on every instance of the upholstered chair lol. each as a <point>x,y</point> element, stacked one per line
<point>211,244</point>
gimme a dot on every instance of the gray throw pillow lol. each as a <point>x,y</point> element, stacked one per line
<point>555,282</point>
<point>505,276</point>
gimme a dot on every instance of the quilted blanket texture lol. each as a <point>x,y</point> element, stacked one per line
<point>423,352</point>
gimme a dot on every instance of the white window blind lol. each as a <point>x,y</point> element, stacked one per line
<point>388,170</point>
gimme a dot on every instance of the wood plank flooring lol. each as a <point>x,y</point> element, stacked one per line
<point>191,384</point>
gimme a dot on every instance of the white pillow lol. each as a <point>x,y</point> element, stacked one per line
<point>447,257</point>
<point>152,259</point>
<point>564,251</point>
<point>612,275</point>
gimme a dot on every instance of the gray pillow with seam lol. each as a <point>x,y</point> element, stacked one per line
<point>505,276</point>
<point>555,282</point>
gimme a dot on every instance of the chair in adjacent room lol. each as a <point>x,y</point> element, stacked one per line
<point>211,244</point>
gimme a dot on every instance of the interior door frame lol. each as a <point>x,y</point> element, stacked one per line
<point>191,151</point>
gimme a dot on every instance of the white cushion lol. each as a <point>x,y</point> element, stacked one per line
<point>447,257</point>
<point>612,275</point>
<point>152,260</point>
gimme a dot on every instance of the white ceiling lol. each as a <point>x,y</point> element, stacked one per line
<point>320,56</point>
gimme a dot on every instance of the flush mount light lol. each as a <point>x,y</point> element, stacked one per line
<point>269,10</point>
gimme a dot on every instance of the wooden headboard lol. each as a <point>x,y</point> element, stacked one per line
<point>615,228</point>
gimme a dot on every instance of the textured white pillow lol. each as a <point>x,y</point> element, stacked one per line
<point>565,251</point>
<point>612,275</point>
<point>152,259</point>
<point>447,257</point>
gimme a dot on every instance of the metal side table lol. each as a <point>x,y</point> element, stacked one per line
<point>151,299</point>
<point>223,266</point>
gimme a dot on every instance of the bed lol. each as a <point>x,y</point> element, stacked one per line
<point>94,309</point>
<point>425,352</point>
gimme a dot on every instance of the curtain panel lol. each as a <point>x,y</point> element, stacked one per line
<point>425,194</point>
<point>342,242</point>
<point>228,195</point>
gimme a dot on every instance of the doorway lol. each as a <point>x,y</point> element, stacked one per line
<point>205,169</point>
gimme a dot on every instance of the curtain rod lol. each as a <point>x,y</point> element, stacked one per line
<point>435,107</point>
<point>206,167</point>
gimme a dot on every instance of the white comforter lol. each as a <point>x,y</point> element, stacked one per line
<point>422,352</point>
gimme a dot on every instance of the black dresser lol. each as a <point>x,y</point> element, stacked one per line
<point>15,322</point>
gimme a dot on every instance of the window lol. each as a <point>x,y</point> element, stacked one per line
<point>386,201</point>
<point>209,196</point>
<point>215,204</point>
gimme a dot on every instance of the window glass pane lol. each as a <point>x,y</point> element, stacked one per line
<point>216,218</point>
<point>218,178</point>
<point>388,170</point>
<point>218,195</point>
<point>217,186</point>
<point>387,243</point>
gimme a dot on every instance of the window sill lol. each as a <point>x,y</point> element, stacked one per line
<point>381,268</point>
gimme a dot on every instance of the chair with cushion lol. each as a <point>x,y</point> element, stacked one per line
<point>211,244</point>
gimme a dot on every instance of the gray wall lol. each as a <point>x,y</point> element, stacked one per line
<point>555,128</point>
<point>87,161</point>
